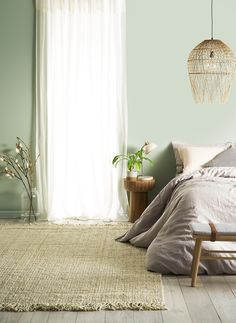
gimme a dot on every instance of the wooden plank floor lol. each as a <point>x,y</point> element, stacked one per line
<point>212,301</point>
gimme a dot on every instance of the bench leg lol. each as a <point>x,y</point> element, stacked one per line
<point>196,260</point>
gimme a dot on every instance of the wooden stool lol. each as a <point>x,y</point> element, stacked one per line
<point>210,232</point>
<point>138,196</point>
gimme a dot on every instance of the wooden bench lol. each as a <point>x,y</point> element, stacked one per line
<point>210,232</point>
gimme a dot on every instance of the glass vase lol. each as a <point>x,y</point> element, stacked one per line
<point>29,208</point>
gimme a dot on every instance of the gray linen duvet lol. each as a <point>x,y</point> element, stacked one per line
<point>208,195</point>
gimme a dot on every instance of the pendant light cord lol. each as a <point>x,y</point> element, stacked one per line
<point>212,20</point>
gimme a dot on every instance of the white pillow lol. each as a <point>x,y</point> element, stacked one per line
<point>195,157</point>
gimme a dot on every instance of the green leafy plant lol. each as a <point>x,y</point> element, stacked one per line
<point>21,166</point>
<point>134,160</point>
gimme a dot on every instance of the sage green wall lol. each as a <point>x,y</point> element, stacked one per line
<point>160,35</point>
<point>16,70</point>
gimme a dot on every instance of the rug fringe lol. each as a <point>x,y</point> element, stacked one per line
<point>42,225</point>
<point>83,307</point>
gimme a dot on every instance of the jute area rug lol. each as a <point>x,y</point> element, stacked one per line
<point>74,268</point>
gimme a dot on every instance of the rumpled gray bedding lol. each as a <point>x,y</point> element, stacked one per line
<point>208,195</point>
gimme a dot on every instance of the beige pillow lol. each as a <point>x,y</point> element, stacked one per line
<point>177,146</point>
<point>195,157</point>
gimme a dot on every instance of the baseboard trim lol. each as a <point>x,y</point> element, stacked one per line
<point>10,214</point>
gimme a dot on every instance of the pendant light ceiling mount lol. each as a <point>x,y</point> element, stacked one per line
<point>211,67</point>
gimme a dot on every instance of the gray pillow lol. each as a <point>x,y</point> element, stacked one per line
<point>178,161</point>
<point>225,159</point>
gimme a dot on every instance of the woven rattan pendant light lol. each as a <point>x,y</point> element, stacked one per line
<point>211,67</point>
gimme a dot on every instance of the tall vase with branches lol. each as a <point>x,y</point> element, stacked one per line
<point>21,166</point>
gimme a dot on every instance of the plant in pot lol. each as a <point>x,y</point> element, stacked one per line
<point>135,160</point>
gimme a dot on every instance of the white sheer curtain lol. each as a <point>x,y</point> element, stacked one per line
<point>81,107</point>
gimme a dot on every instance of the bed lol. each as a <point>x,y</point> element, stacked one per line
<point>205,195</point>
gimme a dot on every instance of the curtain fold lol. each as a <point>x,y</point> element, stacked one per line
<point>81,107</point>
